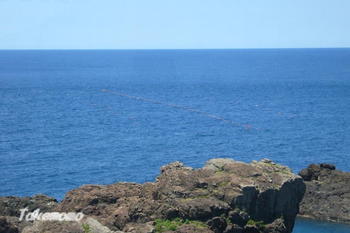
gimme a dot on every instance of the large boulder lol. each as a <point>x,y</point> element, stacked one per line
<point>327,194</point>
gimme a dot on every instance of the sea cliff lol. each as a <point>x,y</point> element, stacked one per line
<point>327,196</point>
<point>223,196</point>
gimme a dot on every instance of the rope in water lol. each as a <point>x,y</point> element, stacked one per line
<point>188,109</point>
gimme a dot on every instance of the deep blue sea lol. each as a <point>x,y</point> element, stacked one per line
<point>69,118</point>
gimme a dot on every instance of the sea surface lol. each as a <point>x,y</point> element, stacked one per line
<point>69,118</point>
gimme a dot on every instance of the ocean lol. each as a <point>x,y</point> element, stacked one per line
<point>77,117</point>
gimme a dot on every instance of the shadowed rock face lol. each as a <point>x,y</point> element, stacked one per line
<point>222,197</point>
<point>7,226</point>
<point>327,194</point>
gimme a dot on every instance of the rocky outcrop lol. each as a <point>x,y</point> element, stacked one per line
<point>10,206</point>
<point>87,225</point>
<point>222,197</point>
<point>327,194</point>
<point>10,210</point>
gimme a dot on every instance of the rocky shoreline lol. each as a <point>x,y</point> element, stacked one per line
<point>327,196</point>
<point>225,196</point>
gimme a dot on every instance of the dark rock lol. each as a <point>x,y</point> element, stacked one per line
<point>6,226</point>
<point>327,194</point>
<point>238,217</point>
<point>217,224</point>
<point>10,206</point>
<point>310,173</point>
<point>15,223</point>
<point>190,228</point>
<point>327,166</point>
<point>202,208</point>
<point>233,228</point>
<point>251,229</point>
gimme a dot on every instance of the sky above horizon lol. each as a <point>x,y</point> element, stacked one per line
<point>173,24</point>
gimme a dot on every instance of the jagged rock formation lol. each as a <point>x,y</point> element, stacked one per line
<point>225,196</point>
<point>327,194</point>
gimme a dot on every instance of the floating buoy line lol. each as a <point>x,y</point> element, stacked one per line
<point>184,108</point>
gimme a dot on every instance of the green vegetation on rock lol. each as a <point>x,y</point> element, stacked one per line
<point>259,224</point>
<point>163,225</point>
<point>86,228</point>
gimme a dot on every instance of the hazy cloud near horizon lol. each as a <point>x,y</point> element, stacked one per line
<point>133,24</point>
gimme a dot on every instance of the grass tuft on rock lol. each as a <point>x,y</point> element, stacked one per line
<point>163,225</point>
<point>86,228</point>
<point>259,224</point>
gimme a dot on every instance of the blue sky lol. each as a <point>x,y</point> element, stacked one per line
<point>173,24</point>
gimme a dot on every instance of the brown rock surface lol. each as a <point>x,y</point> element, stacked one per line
<point>10,206</point>
<point>223,196</point>
<point>327,194</point>
<point>263,191</point>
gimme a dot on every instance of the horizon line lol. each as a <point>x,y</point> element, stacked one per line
<point>145,49</point>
